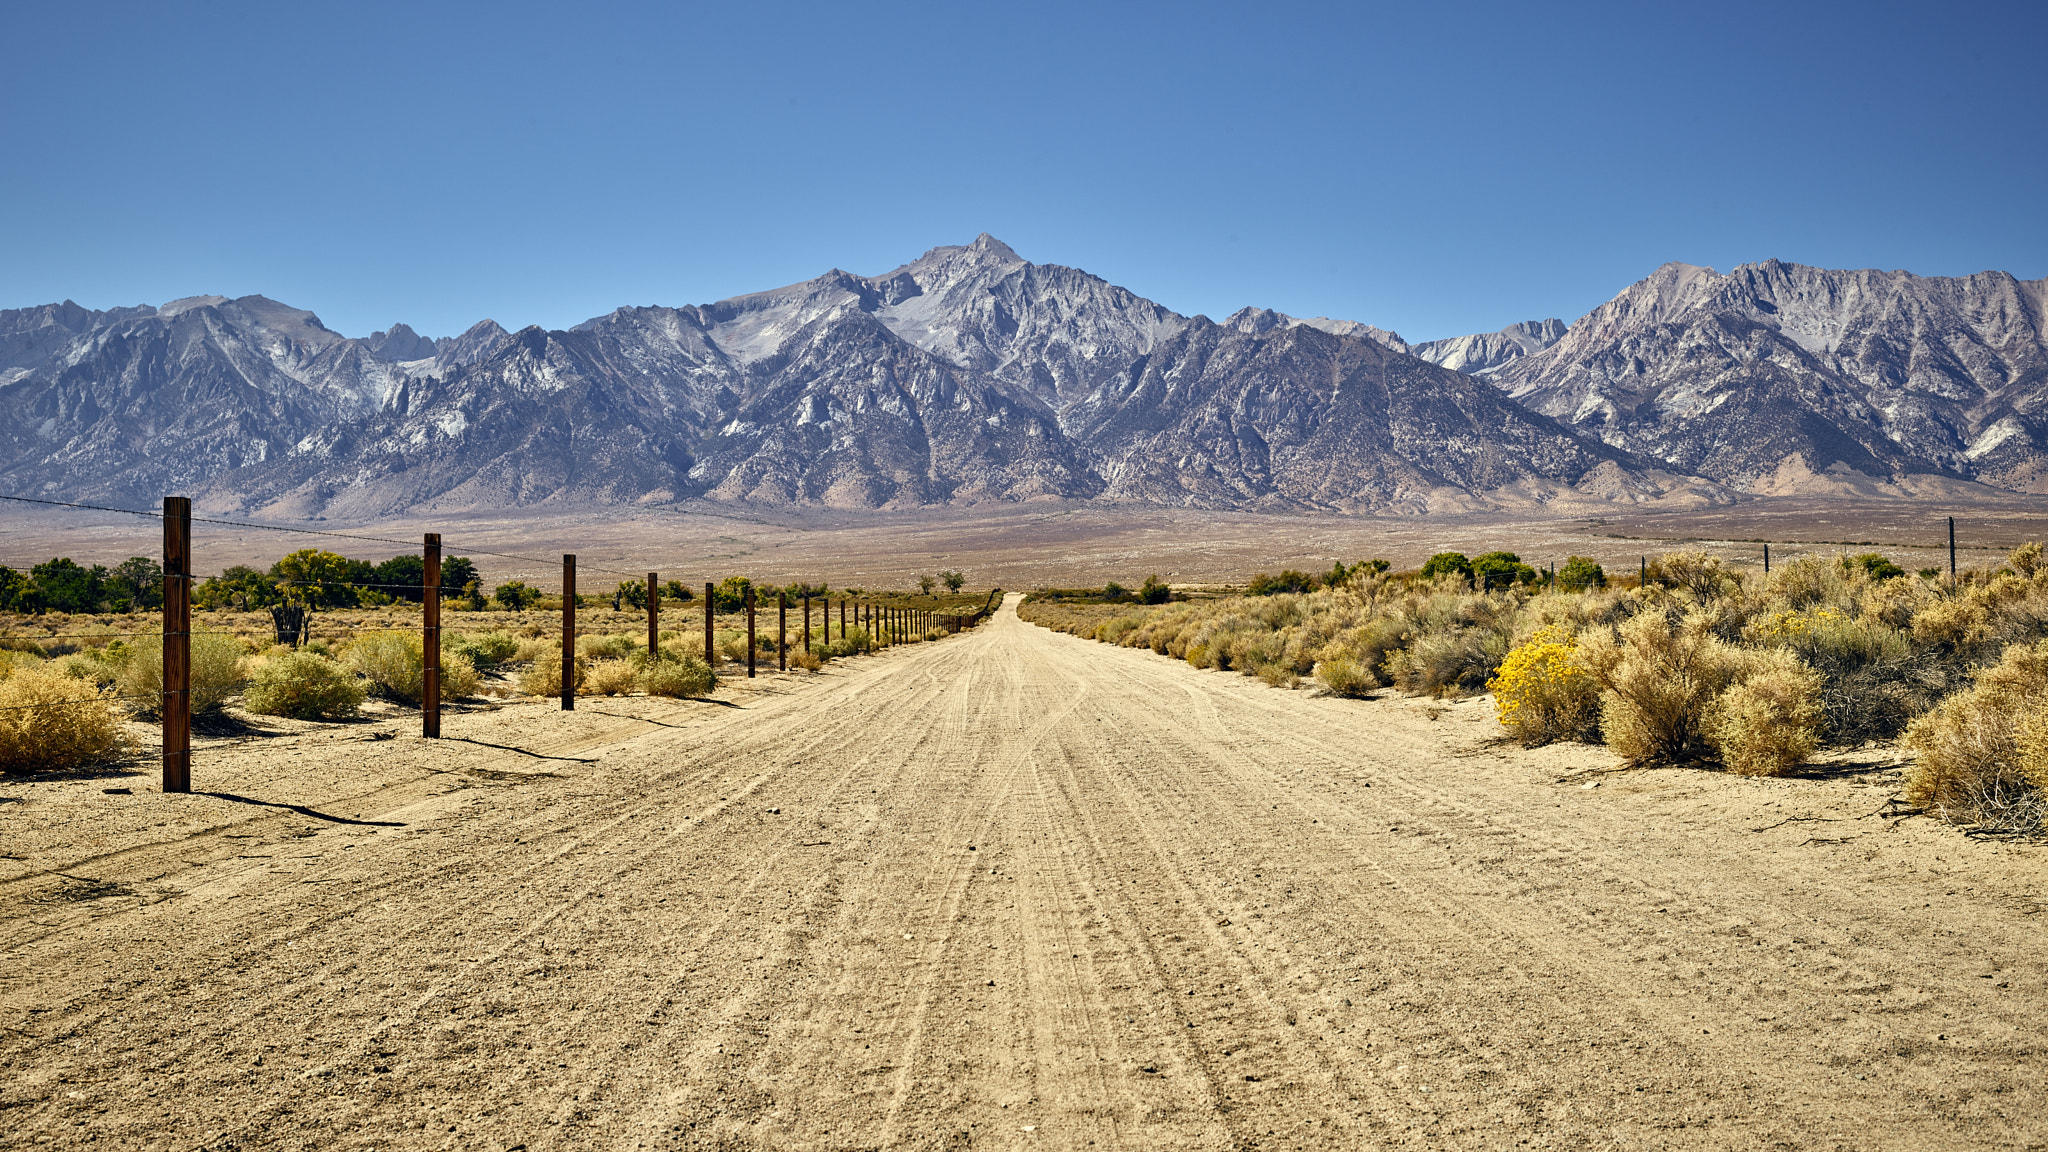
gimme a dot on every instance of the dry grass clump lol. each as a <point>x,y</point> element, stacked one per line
<point>50,721</point>
<point>1983,752</point>
<point>395,664</point>
<point>304,686</point>
<point>216,672</point>
<point>807,659</point>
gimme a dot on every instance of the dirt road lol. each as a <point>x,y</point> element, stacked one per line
<point>1010,890</point>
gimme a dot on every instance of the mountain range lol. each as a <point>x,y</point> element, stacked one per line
<point>973,375</point>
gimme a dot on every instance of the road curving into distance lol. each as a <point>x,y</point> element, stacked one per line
<point>1019,890</point>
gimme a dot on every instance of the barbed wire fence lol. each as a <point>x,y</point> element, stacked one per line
<point>884,624</point>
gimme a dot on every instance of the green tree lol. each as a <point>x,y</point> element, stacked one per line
<point>314,578</point>
<point>515,596</point>
<point>925,583</point>
<point>630,594</point>
<point>1447,564</point>
<point>1581,572</point>
<point>1500,569</point>
<point>17,593</point>
<point>239,587</point>
<point>457,573</point>
<point>731,593</point>
<point>1154,592</point>
<point>138,580</point>
<point>954,579</point>
<point>677,590</point>
<point>62,585</point>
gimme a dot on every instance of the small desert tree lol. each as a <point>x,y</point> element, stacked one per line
<point>954,579</point>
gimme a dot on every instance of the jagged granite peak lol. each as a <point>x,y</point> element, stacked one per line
<point>1778,377</point>
<point>399,344</point>
<point>1260,320</point>
<point>476,343</point>
<point>1485,353</point>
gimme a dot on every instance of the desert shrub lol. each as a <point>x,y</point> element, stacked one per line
<point>51,721</point>
<point>1873,679</point>
<point>304,686</point>
<point>1344,676</point>
<point>683,675</point>
<point>1541,694</point>
<point>610,678</point>
<point>484,649</point>
<point>852,644</point>
<point>1657,679</point>
<point>395,664</point>
<point>806,659</point>
<point>216,671</point>
<point>1768,722</point>
<point>1696,572</point>
<point>1983,751</point>
<point>731,646</point>
<point>545,677</point>
<point>1874,565</point>
<point>530,648</point>
<point>1287,581</point>
<point>1455,663</point>
<point>614,647</point>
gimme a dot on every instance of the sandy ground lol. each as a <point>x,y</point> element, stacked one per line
<point>1008,890</point>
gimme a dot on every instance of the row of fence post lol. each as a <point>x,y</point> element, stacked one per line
<point>887,625</point>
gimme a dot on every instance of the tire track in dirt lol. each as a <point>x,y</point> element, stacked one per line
<point>1145,906</point>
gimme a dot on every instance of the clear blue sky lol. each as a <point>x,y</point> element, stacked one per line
<point>1435,169</point>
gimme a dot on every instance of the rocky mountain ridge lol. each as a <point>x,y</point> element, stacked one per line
<point>968,374</point>
<point>1781,378</point>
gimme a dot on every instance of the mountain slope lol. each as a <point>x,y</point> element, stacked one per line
<point>1778,377</point>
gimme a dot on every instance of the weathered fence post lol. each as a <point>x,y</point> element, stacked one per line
<point>653,616</point>
<point>1767,559</point>
<point>710,602</point>
<point>1951,551</point>
<point>750,631</point>
<point>176,706</point>
<point>1642,572</point>
<point>568,633</point>
<point>782,631</point>
<point>430,640</point>
<point>842,619</point>
<point>807,622</point>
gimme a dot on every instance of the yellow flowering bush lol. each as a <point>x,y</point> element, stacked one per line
<point>1541,693</point>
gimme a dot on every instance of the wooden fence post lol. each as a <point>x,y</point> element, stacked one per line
<point>568,633</point>
<point>1767,559</point>
<point>750,631</point>
<point>807,622</point>
<point>1951,551</point>
<point>782,631</point>
<point>710,603</point>
<point>430,640</point>
<point>842,619</point>
<point>653,616</point>
<point>176,707</point>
